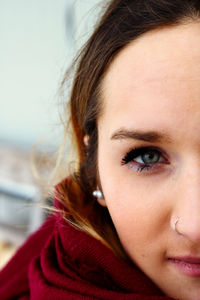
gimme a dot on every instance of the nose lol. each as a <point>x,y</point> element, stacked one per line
<point>186,218</point>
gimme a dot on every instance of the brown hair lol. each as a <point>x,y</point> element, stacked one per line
<point>122,22</point>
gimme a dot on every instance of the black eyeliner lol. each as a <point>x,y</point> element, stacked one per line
<point>135,152</point>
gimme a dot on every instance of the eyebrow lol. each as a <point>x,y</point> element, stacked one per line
<point>147,136</point>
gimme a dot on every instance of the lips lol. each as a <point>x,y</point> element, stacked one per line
<point>187,265</point>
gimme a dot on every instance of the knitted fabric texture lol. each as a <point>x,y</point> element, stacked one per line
<point>59,261</point>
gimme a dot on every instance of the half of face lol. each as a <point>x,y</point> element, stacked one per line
<point>149,155</point>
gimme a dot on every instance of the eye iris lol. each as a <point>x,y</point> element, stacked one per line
<point>150,157</point>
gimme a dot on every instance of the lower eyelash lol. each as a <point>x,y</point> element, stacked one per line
<point>143,167</point>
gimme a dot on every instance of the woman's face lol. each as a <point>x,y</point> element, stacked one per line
<point>149,155</point>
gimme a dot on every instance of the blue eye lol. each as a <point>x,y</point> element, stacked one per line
<point>145,157</point>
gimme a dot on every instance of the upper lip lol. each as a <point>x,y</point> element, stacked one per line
<point>186,259</point>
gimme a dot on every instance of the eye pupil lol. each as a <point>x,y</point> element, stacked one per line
<point>150,157</point>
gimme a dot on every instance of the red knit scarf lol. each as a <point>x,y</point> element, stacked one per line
<point>61,262</point>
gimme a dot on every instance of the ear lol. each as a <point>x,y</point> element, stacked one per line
<point>102,202</point>
<point>86,139</point>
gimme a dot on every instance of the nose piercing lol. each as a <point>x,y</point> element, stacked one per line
<point>98,194</point>
<point>175,228</point>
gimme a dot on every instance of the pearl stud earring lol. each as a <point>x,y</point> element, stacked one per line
<point>97,194</point>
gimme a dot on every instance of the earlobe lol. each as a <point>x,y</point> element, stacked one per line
<point>102,202</point>
<point>99,195</point>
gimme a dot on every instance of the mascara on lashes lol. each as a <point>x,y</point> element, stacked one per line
<point>136,152</point>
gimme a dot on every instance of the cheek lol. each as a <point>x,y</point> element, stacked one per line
<point>138,207</point>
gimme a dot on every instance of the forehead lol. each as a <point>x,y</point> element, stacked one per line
<point>160,71</point>
<point>158,52</point>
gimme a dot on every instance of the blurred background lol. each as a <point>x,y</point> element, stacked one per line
<point>39,39</point>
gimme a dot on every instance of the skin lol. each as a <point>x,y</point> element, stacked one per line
<point>154,85</point>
